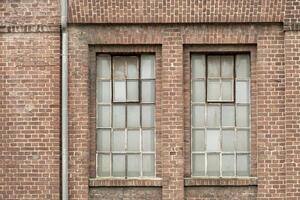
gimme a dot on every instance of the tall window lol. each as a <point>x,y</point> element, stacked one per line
<point>220,115</point>
<point>125,116</point>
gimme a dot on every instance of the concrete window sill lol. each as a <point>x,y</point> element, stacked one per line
<point>247,181</point>
<point>114,182</point>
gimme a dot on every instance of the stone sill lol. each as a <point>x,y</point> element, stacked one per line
<point>249,181</point>
<point>114,182</point>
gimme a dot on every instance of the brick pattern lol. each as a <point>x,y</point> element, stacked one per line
<point>291,18</point>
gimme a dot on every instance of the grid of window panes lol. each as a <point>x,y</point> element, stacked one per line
<point>125,116</point>
<point>220,105</point>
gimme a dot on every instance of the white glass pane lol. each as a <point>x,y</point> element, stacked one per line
<point>213,90</point>
<point>104,116</point>
<point>242,116</point>
<point>103,165</point>
<point>243,165</point>
<point>133,165</point>
<point>198,165</point>
<point>148,115</point>
<point>198,66</point>
<point>132,90</point>
<point>213,140</point>
<point>148,91</point>
<point>119,67</point>
<point>227,66</point>
<point>242,66</point>
<point>103,66</point>
<point>198,140</point>
<point>227,90</point>
<point>242,140</point>
<point>118,141</point>
<point>120,91</point>
<point>103,139</point>
<point>198,116</point>
<point>228,116</point>
<point>148,140</point>
<point>228,165</point>
<point>147,66</point>
<point>148,165</point>
<point>228,140</point>
<point>213,116</point>
<point>242,91</point>
<point>118,166</point>
<point>213,164</point>
<point>132,67</point>
<point>103,91</point>
<point>198,91</point>
<point>119,116</point>
<point>213,66</point>
<point>133,116</point>
<point>133,140</point>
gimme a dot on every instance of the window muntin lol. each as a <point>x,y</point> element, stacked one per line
<point>125,116</point>
<point>220,123</point>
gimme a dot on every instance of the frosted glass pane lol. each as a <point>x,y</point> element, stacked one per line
<point>148,140</point>
<point>132,90</point>
<point>227,90</point>
<point>213,140</point>
<point>198,91</point>
<point>198,140</point>
<point>213,116</point>
<point>242,66</point>
<point>103,66</point>
<point>148,91</point>
<point>133,165</point>
<point>242,116</point>
<point>198,165</point>
<point>118,166</point>
<point>198,66</point>
<point>132,67</point>
<point>243,165</point>
<point>198,116</point>
<point>103,139</point>
<point>103,91</point>
<point>242,140</point>
<point>148,165</point>
<point>242,91</point>
<point>147,66</point>
<point>119,91</point>
<point>103,165</point>
<point>119,67</point>
<point>119,116</point>
<point>133,140</point>
<point>148,115</point>
<point>213,90</point>
<point>118,141</point>
<point>133,116</point>
<point>228,140</point>
<point>228,116</point>
<point>213,66</point>
<point>213,164</point>
<point>227,66</point>
<point>104,116</point>
<point>228,165</point>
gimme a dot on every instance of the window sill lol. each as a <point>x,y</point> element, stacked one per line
<point>115,182</point>
<point>247,181</point>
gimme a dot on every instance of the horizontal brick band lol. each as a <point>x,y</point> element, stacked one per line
<point>125,182</point>
<point>251,181</point>
<point>39,28</point>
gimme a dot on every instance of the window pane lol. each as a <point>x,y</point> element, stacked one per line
<point>198,116</point>
<point>228,140</point>
<point>133,116</point>
<point>133,165</point>
<point>103,66</point>
<point>227,66</point>
<point>147,66</point>
<point>148,115</point>
<point>103,91</point>
<point>242,91</point>
<point>213,140</point>
<point>242,66</point>
<point>227,90</point>
<point>103,165</point>
<point>103,139</point>
<point>119,67</point>
<point>228,165</point>
<point>119,116</point>
<point>242,140</point>
<point>213,90</point>
<point>198,66</point>
<point>120,91</point>
<point>118,166</point>
<point>213,66</point>
<point>148,140</point>
<point>213,164</point>
<point>133,140</point>
<point>132,67</point>
<point>148,91</point>
<point>118,141</point>
<point>104,116</point>
<point>242,116</point>
<point>243,165</point>
<point>198,140</point>
<point>228,116</point>
<point>132,90</point>
<point>148,165</point>
<point>213,116</point>
<point>198,165</point>
<point>198,91</point>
